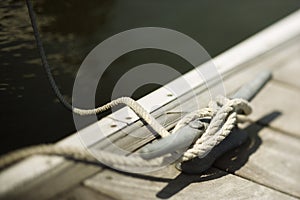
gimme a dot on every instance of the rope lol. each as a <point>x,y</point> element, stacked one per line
<point>224,117</point>
<point>137,108</point>
<point>73,152</point>
<point>222,112</point>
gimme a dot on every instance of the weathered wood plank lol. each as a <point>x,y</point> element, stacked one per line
<point>279,98</point>
<point>47,175</point>
<point>56,180</point>
<point>162,185</point>
<point>269,158</point>
<point>80,193</point>
<point>290,73</point>
<point>32,167</point>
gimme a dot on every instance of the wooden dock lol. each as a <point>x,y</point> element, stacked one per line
<point>267,166</point>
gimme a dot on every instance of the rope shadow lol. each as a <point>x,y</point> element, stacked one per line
<point>184,180</point>
<point>238,157</point>
<point>233,160</point>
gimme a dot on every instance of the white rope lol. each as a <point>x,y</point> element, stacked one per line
<point>224,117</point>
<point>135,106</point>
<point>76,153</point>
<point>223,114</point>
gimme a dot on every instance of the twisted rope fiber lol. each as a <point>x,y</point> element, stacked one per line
<point>224,117</point>
<point>77,154</point>
<point>222,111</point>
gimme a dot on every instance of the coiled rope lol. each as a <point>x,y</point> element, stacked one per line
<point>222,111</point>
<point>223,114</point>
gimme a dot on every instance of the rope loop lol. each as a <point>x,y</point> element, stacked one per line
<point>224,116</point>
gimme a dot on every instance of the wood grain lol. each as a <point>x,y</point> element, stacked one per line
<point>290,73</point>
<point>269,158</point>
<point>81,192</point>
<point>215,184</point>
<point>276,97</point>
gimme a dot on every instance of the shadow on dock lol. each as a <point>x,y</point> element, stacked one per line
<point>229,162</point>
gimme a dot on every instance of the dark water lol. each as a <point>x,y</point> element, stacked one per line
<point>30,113</point>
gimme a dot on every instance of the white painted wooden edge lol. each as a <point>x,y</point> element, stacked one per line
<point>252,47</point>
<point>19,174</point>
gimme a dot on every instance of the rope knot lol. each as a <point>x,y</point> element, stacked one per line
<point>223,113</point>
